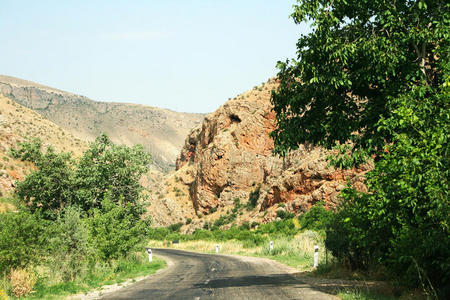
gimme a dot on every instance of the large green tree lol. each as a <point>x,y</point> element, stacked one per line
<point>360,55</point>
<point>109,168</point>
<point>50,188</point>
<point>61,181</point>
<point>376,73</point>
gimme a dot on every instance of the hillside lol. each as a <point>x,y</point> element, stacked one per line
<point>19,124</point>
<point>226,169</point>
<point>160,131</point>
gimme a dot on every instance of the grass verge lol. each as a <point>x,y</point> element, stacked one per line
<point>296,251</point>
<point>98,275</point>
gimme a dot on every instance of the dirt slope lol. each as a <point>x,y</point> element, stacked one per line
<point>19,124</point>
<point>160,131</point>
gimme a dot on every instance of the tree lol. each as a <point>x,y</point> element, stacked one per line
<point>50,188</point>
<point>115,229</point>
<point>61,181</point>
<point>359,56</point>
<point>376,73</point>
<point>106,167</point>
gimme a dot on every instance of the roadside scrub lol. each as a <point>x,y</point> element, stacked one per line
<point>295,251</point>
<point>293,239</point>
<point>78,223</point>
<point>96,275</point>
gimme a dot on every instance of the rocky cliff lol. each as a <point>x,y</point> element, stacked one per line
<point>230,157</point>
<point>160,131</point>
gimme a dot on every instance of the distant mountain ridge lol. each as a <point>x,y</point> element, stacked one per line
<point>160,131</point>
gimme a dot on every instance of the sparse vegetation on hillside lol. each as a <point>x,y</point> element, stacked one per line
<point>161,131</point>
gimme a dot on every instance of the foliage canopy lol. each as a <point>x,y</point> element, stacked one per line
<point>359,57</point>
<point>376,74</point>
<point>60,181</point>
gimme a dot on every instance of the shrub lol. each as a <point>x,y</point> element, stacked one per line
<point>237,205</point>
<point>188,221</point>
<point>282,214</point>
<point>70,246</point>
<point>21,239</point>
<point>175,227</point>
<point>158,233</point>
<point>200,234</point>
<point>253,198</point>
<point>316,218</point>
<point>116,230</point>
<point>254,224</point>
<point>245,225</point>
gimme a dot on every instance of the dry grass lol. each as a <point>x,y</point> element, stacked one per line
<point>22,282</point>
<point>6,207</point>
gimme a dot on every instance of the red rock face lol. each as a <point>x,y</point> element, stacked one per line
<point>232,153</point>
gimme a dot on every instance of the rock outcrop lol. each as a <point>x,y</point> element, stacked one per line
<point>230,157</point>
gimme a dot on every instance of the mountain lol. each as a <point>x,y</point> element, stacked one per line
<point>227,162</point>
<point>19,124</point>
<point>160,131</point>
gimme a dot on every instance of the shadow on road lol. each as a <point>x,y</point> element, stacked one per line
<point>329,286</point>
<point>271,280</point>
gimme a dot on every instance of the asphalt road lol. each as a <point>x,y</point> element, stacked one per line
<point>207,276</point>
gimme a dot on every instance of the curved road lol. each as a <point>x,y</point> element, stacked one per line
<point>207,276</point>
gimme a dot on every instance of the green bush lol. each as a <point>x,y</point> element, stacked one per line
<point>316,218</point>
<point>282,214</point>
<point>201,234</point>
<point>237,205</point>
<point>253,198</point>
<point>115,230</point>
<point>22,239</point>
<point>245,226</point>
<point>158,233</point>
<point>175,227</point>
<point>70,249</point>
<point>254,224</point>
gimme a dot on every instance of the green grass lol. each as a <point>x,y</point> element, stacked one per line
<point>117,271</point>
<point>362,295</point>
<point>295,251</point>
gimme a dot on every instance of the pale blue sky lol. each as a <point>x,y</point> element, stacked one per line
<point>183,55</point>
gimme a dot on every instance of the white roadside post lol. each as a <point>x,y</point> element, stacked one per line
<point>271,246</point>
<point>217,248</point>
<point>316,256</point>
<point>149,251</point>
